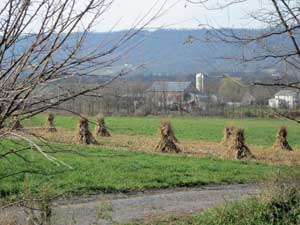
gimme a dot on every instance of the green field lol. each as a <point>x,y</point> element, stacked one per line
<point>259,132</point>
<point>97,168</point>
<point>100,169</point>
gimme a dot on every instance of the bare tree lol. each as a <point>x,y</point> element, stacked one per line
<point>43,43</point>
<point>277,43</point>
<point>280,18</point>
<point>44,56</point>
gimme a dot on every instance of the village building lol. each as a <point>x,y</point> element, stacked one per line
<point>248,99</point>
<point>285,99</point>
<point>176,94</point>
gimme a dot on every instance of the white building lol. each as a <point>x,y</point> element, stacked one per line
<point>200,82</point>
<point>285,99</point>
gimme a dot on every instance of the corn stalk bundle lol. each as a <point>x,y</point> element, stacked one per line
<point>227,135</point>
<point>281,140</point>
<point>101,129</point>
<point>84,136</point>
<point>168,139</point>
<point>49,125</point>
<point>238,145</point>
<point>15,123</point>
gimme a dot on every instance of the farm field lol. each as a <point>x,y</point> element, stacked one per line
<point>198,137</point>
<point>128,161</point>
<point>98,169</point>
<point>259,132</point>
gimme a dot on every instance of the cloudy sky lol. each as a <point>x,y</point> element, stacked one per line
<point>178,14</point>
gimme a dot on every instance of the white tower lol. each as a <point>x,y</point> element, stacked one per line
<point>200,82</point>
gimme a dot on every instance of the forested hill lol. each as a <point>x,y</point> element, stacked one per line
<point>172,52</point>
<point>175,52</point>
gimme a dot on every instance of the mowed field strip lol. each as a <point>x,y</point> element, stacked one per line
<point>260,132</point>
<point>197,136</point>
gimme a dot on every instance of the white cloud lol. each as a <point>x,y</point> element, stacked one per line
<point>126,12</point>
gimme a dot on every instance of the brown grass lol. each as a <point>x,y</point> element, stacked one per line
<point>189,148</point>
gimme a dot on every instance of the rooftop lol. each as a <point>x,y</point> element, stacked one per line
<point>160,86</point>
<point>287,93</point>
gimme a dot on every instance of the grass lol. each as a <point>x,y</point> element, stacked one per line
<point>99,169</point>
<point>259,132</point>
<point>252,211</point>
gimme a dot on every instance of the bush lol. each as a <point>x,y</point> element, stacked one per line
<point>279,205</point>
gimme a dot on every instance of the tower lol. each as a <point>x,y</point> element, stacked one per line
<point>200,82</point>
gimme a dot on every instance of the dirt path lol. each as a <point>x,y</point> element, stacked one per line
<point>122,208</point>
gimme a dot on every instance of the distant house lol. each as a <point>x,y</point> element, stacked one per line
<point>171,94</point>
<point>285,99</point>
<point>247,99</point>
<point>233,104</point>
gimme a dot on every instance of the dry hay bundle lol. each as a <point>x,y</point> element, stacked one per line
<point>101,129</point>
<point>168,139</point>
<point>84,136</point>
<point>227,135</point>
<point>49,126</point>
<point>281,140</point>
<point>239,147</point>
<point>15,123</point>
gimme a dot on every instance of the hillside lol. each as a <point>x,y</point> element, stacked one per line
<point>178,52</point>
<point>169,52</point>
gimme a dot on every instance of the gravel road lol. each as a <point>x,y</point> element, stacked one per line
<point>122,208</point>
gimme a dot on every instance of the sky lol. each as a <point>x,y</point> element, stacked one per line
<point>178,14</point>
